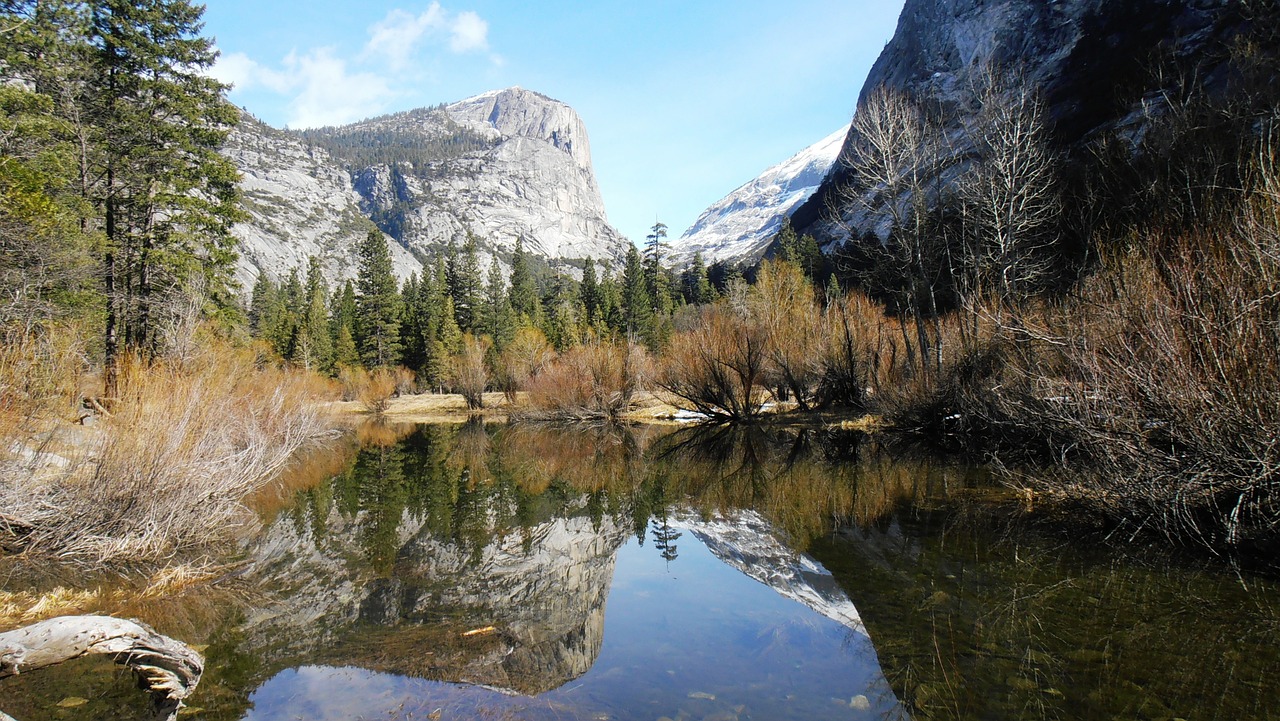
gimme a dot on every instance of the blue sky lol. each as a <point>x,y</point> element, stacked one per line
<point>683,101</point>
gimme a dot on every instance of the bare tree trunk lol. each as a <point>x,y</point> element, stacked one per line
<point>167,669</point>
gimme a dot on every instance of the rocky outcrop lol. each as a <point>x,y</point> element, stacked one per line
<point>740,226</point>
<point>300,202</point>
<point>1096,64</point>
<point>503,165</point>
<point>533,181</point>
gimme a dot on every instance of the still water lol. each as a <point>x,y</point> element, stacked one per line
<point>472,571</point>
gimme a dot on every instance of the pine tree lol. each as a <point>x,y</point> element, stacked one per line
<point>524,292</point>
<point>697,285</point>
<point>167,197</point>
<point>589,292</point>
<point>411,324</point>
<point>342,322</point>
<point>345,353</point>
<point>465,287</point>
<point>611,312</point>
<point>637,308</point>
<point>497,308</point>
<point>656,281</point>
<point>313,346</point>
<point>377,304</point>
<point>285,327</point>
<point>264,306</point>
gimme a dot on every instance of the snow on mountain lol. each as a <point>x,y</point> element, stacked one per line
<point>742,223</point>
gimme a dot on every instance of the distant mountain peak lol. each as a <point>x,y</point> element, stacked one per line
<point>502,165</point>
<point>740,225</point>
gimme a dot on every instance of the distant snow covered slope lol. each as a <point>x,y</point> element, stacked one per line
<point>741,224</point>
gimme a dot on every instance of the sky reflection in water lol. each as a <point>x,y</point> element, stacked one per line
<point>690,638</point>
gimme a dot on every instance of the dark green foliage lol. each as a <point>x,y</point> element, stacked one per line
<point>313,344</point>
<point>589,292</point>
<point>800,250</point>
<point>524,291</point>
<point>695,284</point>
<point>637,303</point>
<point>465,286</point>
<point>377,304</point>
<point>657,283</point>
<point>129,80</point>
<point>721,275</point>
<point>362,148</point>
<point>498,317</point>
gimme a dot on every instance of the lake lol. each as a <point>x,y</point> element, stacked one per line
<point>511,572</point>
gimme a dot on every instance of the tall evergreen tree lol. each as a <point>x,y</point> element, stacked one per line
<point>524,292</point>
<point>342,322</point>
<point>411,340</point>
<point>697,285</point>
<point>589,292</point>
<point>656,281</point>
<point>497,308</point>
<point>377,304</point>
<point>465,285</point>
<point>313,346</point>
<point>637,304</point>
<point>167,197</point>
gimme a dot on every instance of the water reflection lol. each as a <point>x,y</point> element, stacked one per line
<point>476,571</point>
<point>485,556</point>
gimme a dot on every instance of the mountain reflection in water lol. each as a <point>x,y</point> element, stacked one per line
<point>485,556</point>
<point>460,572</point>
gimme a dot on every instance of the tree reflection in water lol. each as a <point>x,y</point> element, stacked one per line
<point>385,552</point>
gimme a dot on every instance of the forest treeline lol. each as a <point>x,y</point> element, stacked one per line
<point>1107,309</point>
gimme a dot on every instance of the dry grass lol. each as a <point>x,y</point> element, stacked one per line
<point>167,471</point>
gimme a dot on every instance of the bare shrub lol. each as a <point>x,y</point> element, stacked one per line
<point>718,365</point>
<point>594,380</point>
<point>1165,380</point>
<point>469,374</point>
<point>523,358</point>
<point>379,386</point>
<point>41,371</point>
<point>167,472</point>
<point>782,303</point>
<point>859,349</point>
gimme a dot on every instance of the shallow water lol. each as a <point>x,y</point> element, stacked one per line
<point>507,572</point>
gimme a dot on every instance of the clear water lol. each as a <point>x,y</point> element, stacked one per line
<point>458,572</point>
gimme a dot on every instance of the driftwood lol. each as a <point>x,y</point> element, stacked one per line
<point>168,670</point>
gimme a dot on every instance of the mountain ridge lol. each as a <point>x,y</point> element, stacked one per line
<point>501,165</point>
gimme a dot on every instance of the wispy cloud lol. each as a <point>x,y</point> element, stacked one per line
<point>398,37</point>
<point>321,87</point>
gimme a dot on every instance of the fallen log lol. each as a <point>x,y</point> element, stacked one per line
<point>168,670</point>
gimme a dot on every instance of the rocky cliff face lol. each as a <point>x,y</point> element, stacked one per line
<point>300,203</point>
<point>502,165</point>
<point>1094,62</point>
<point>741,225</point>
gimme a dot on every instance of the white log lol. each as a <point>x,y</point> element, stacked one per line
<point>167,669</point>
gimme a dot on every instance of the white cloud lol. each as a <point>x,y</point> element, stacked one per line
<point>329,94</point>
<point>320,87</point>
<point>397,37</point>
<point>242,72</point>
<point>468,32</point>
